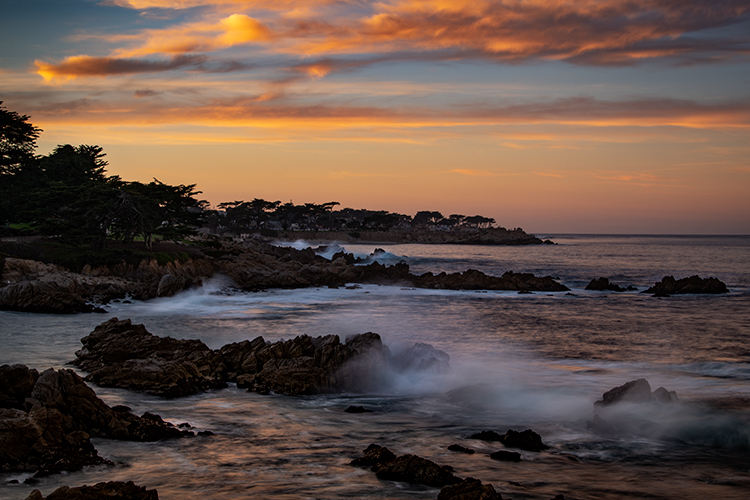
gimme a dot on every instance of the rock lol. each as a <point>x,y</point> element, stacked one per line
<point>506,456</point>
<point>372,455</point>
<point>604,284</point>
<point>16,383</point>
<point>460,449</point>
<point>50,430</point>
<point>469,489</point>
<point>694,284</point>
<point>169,285</point>
<point>487,436</point>
<point>100,491</point>
<point>636,391</point>
<point>526,440</point>
<point>422,357</point>
<point>357,409</point>
<point>416,470</point>
<point>120,354</point>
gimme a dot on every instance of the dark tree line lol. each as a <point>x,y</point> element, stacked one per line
<point>68,194</point>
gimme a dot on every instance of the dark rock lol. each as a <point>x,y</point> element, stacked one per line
<point>460,449</point>
<point>487,436</point>
<point>357,409</point>
<point>636,391</point>
<point>694,284</point>
<point>422,357</point>
<point>120,354</point>
<point>170,285</point>
<point>51,432</point>
<point>100,491</point>
<point>506,456</point>
<point>372,455</point>
<point>526,440</point>
<point>469,489</point>
<point>415,470</point>
<point>604,284</point>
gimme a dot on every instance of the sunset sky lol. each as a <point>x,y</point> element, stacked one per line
<point>593,116</point>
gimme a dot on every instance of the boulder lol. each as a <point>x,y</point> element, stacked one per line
<point>636,391</point>
<point>469,489</point>
<point>100,491</point>
<point>694,284</point>
<point>422,357</point>
<point>460,449</point>
<point>170,285</point>
<point>415,470</point>
<point>487,436</point>
<point>120,354</point>
<point>46,427</point>
<point>506,456</point>
<point>526,440</point>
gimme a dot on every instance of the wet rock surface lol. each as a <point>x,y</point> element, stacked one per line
<point>636,391</point>
<point>120,354</point>
<point>694,284</point>
<point>45,427</point>
<point>111,490</point>
<point>469,489</point>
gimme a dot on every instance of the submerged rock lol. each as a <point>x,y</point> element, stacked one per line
<point>694,284</point>
<point>527,440</point>
<point>460,449</point>
<point>100,491</point>
<point>506,456</point>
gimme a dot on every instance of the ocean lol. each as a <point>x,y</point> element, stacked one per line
<point>518,361</point>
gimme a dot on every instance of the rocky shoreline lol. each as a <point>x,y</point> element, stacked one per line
<point>32,286</point>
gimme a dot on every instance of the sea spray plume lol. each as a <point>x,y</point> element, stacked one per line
<point>634,410</point>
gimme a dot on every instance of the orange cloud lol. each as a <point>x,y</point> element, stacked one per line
<point>75,66</point>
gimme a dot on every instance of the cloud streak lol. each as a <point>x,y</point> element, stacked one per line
<point>77,66</point>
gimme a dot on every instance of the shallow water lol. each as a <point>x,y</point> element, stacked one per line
<point>518,361</point>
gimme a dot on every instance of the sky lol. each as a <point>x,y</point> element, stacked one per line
<point>556,116</point>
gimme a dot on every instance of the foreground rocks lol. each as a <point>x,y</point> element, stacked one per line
<point>636,391</point>
<point>120,354</point>
<point>101,491</point>
<point>48,418</point>
<point>526,440</point>
<point>694,284</point>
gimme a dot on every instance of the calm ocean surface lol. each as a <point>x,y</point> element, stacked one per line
<point>534,361</point>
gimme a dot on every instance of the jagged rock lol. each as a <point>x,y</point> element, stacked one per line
<point>469,489</point>
<point>506,456</point>
<point>636,391</point>
<point>603,284</point>
<point>46,426</point>
<point>307,365</point>
<point>372,455</point>
<point>694,284</point>
<point>460,449</point>
<point>100,491</point>
<point>120,354</point>
<point>416,470</point>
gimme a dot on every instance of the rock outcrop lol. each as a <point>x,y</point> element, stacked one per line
<point>603,284</point>
<point>636,391</point>
<point>111,490</point>
<point>120,354</point>
<point>526,440</point>
<point>694,284</point>
<point>47,419</point>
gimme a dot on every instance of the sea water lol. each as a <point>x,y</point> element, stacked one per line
<point>535,361</point>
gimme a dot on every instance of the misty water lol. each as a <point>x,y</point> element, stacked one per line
<point>535,361</point>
